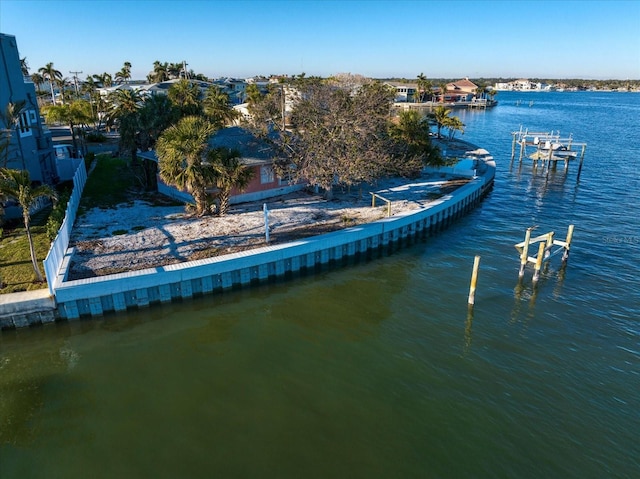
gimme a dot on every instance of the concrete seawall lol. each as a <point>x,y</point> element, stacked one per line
<point>94,297</point>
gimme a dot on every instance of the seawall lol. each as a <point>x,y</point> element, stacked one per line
<point>93,297</point>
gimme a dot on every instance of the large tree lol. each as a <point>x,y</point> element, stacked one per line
<point>338,136</point>
<point>53,76</point>
<point>182,158</point>
<point>76,113</point>
<point>17,184</point>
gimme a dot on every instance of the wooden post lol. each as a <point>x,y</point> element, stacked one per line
<point>536,273</point>
<point>567,247</point>
<point>525,253</point>
<point>549,245</point>
<point>581,160</point>
<point>266,222</point>
<point>474,280</point>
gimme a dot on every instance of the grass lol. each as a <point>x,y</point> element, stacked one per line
<point>16,270</point>
<point>110,184</point>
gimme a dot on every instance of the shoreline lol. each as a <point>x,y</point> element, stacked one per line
<point>94,296</point>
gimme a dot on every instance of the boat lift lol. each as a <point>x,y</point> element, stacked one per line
<point>549,148</point>
<point>544,250</point>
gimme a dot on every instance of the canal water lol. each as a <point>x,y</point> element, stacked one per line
<point>377,370</point>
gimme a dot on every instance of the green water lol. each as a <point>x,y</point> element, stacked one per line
<point>376,370</point>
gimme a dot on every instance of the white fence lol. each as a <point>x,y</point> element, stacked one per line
<point>55,256</point>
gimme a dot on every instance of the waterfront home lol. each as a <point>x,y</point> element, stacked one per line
<point>405,92</point>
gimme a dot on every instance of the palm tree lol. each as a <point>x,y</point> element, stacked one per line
<point>185,94</point>
<point>37,80</point>
<point>24,66</point>
<point>182,151</point>
<point>217,107</point>
<point>443,91</point>
<point>9,118</point>
<point>230,174</point>
<point>453,124</point>
<point>16,184</point>
<point>440,115</point>
<point>253,94</point>
<point>424,86</point>
<point>160,72</point>
<point>123,102</point>
<point>124,74</point>
<point>124,111</point>
<point>106,80</point>
<point>413,142</point>
<point>52,76</point>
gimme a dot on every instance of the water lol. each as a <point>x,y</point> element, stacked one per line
<point>376,370</point>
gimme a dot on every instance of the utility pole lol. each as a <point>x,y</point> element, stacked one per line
<point>75,81</point>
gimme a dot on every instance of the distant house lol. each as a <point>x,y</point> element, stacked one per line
<point>31,146</point>
<point>405,92</point>
<point>254,153</point>
<point>461,90</point>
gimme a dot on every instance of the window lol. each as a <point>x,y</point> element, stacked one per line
<point>24,127</point>
<point>266,174</point>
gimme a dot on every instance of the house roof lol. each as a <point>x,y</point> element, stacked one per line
<point>463,84</point>
<point>253,150</point>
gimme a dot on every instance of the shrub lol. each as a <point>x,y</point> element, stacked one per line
<point>96,137</point>
<point>56,217</point>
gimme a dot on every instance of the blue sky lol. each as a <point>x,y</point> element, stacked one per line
<point>377,38</point>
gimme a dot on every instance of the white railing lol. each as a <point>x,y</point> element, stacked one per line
<point>58,249</point>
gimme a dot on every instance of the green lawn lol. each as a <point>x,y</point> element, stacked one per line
<point>16,270</point>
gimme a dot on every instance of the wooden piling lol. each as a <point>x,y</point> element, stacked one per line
<point>525,253</point>
<point>474,280</point>
<point>549,245</point>
<point>567,246</point>
<point>539,258</point>
<point>581,161</point>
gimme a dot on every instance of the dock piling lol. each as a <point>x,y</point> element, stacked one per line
<point>474,280</point>
<point>539,258</point>
<point>567,245</point>
<point>525,252</point>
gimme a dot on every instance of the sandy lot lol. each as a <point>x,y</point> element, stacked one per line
<point>143,234</point>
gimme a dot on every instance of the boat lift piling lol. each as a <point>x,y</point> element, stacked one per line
<point>547,242</point>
